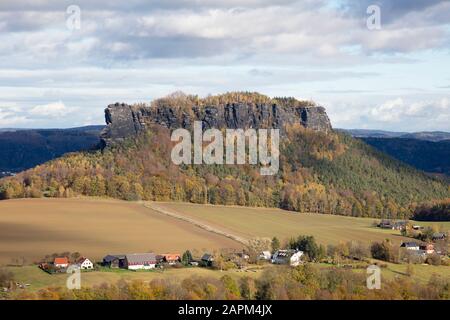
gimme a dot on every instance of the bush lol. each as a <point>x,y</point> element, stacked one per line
<point>434,259</point>
<point>384,251</point>
<point>5,277</point>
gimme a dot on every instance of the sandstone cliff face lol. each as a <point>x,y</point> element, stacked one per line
<point>125,120</point>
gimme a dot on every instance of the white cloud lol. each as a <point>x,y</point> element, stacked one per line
<point>52,110</point>
<point>9,116</point>
<point>399,110</point>
<point>138,50</point>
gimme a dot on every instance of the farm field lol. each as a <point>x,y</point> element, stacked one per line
<point>39,279</point>
<point>267,222</point>
<point>33,228</point>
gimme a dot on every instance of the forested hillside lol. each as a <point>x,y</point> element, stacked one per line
<point>429,156</point>
<point>25,148</point>
<point>324,173</point>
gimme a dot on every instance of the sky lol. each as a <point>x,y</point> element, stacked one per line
<point>61,65</point>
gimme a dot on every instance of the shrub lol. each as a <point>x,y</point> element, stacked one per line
<point>384,251</point>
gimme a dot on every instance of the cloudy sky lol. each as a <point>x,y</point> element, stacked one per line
<point>397,77</point>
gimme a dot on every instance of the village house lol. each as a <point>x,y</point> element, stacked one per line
<point>85,264</point>
<point>207,259</point>
<point>61,262</point>
<point>138,261</point>
<point>410,246</point>
<point>394,225</point>
<point>290,257</point>
<point>169,258</point>
<point>114,261</point>
<point>265,255</point>
<point>439,236</point>
<point>243,255</point>
<point>385,224</point>
<point>427,248</point>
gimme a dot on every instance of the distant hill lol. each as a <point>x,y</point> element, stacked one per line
<point>321,171</point>
<point>21,149</point>
<point>428,156</point>
<point>428,136</point>
<point>423,135</point>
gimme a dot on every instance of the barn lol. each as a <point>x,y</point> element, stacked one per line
<point>114,261</point>
<point>138,261</point>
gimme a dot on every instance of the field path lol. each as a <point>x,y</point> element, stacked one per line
<point>30,229</point>
<point>174,214</point>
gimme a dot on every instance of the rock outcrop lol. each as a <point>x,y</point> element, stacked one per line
<point>125,120</point>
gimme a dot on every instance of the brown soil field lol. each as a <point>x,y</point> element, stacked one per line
<point>33,228</point>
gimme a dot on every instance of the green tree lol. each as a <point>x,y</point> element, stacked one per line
<point>187,257</point>
<point>231,287</point>
<point>308,245</point>
<point>275,244</point>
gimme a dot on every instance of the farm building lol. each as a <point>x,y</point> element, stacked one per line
<point>439,236</point>
<point>170,258</point>
<point>243,255</point>
<point>114,261</point>
<point>61,262</point>
<point>85,263</point>
<point>207,259</point>
<point>137,261</point>
<point>410,246</point>
<point>394,225</point>
<point>427,248</point>
<point>265,255</point>
<point>290,257</point>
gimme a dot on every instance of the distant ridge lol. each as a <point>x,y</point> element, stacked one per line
<point>421,135</point>
<point>21,149</point>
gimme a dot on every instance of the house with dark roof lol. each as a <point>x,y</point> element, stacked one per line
<point>439,236</point>
<point>114,261</point>
<point>207,259</point>
<point>410,246</point>
<point>138,261</point>
<point>289,257</point>
<point>391,224</point>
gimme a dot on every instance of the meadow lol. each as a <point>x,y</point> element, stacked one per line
<point>248,222</point>
<point>39,279</point>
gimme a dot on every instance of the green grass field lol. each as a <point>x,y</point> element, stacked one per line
<point>421,272</point>
<point>39,279</point>
<point>262,222</point>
